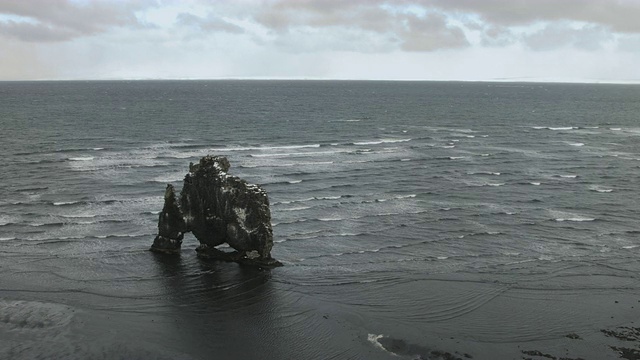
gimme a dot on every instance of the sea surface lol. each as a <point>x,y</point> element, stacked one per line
<point>414,220</point>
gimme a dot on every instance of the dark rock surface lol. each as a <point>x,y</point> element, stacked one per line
<point>218,208</point>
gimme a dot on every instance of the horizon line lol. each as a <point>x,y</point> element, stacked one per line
<point>496,80</point>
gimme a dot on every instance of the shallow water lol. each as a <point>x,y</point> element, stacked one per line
<point>474,218</point>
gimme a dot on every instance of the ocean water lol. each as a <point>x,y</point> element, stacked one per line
<point>414,219</point>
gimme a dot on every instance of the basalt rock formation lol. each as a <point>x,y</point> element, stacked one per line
<point>217,208</point>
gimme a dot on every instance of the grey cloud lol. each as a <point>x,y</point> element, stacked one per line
<point>555,36</point>
<point>283,15</point>
<point>368,21</point>
<point>430,33</point>
<point>619,15</point>
<point>497,36</point>
<point>35,32</point>
<point>493,20</point>
<point>59,20</point>
<point>210,23</point>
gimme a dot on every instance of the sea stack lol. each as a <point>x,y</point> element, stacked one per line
<point>217,208</point>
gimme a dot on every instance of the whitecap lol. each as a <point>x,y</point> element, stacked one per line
<point>276,147</point>
<point>381,141</point>
<point>535,183</point>
<point>7,238</point>
<point>448,146</point>
<point>294,181</point>
<point>615,129</point>
<point>600,190</point>
<point>373,339</point>
<point>406,196</point>
<point>81,158</point>
<point>442,257</point>
<point>630,246</point>
<point>97,148</point>
<point>569,176</point>
<point>470,136</point>
<point>73,216</point>
<point>576,219</point>
<point>61,203</point>
<point>405,159</point>
<point>298,154</point>
<point>169,178</point>
<point>456,157</point>
<point>330,219</point>
<point>539,127</point>
<point>296,208</point>
<point>561,128</point>
<point>327,197</point>
<point>577,144</point>
<point>495,184</point>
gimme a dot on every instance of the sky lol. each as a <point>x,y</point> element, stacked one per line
<point>469,40</point>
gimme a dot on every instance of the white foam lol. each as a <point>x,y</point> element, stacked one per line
<point>74,216</point>
<point>569,176</point>
<point>311,153</point>
<point>169,178</point>
<point>327,197</point>
<point>615,129</point>
<point>406,196</point>
<point>561,128</point>
<point>97,148</point>
<point>405,159</point>
<point>535,183</point>
<point>577,144</point>
<point>456,157</point>
<point>577,219</point>
<point>630,246</point>
<point>470,136</point>
<point>442,257</point>
<point>381,141</point>
<point>495,184</point>
<point>600,190</point>
<point>294,181</point>
<point>60,203</point>
<point>330,219</point>
<point>373,339</point>
<point>7,238</point>
<point>298,208</point>
<point>277,147</point>
<point>81,158</point>
<point>484,173</point>
<point>539,127</point>
<point>448,146</point>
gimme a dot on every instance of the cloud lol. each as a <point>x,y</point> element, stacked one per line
<point>618,15</point>
<point>209,24</point>
<point>60,20</point>
<point>494,35</point>
<point>373,25</point>
<point>431,32</point>
<point>555,36</point>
